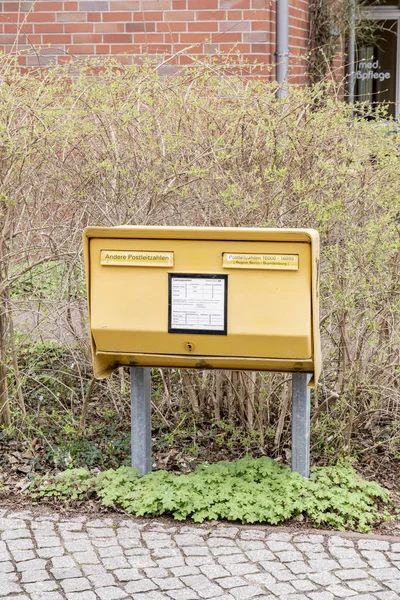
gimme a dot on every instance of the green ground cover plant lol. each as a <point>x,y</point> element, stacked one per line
<point>247,490</point>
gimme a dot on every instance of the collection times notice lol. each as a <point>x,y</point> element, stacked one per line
<point>197,303</point>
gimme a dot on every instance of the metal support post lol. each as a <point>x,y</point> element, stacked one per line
<point>141,419</point>
<point>301,424</point>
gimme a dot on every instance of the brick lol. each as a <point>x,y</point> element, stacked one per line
<point>179,15</point>
<point>58,38</point>
<point>69,17</point>
<point>144,26</point>
<point>116,16</point>
<point>202,4</point>
<point>78,27</point>
<point>92,5</point>
<point>47,6</point>
<point>203,26</point>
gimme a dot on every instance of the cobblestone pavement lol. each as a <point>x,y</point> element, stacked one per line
<point>50,557</point>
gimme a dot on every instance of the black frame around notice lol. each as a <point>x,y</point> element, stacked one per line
<point>198,276</point>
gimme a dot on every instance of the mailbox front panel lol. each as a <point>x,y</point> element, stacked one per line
<point>138,305</point>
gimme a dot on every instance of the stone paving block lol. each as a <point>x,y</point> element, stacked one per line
<point>259,555</point>
<point>66,573</point>
<point>365,585</point>
<point>140,585</point>
<point>340,591</point>
<point>298,567</point>
<point>154,595</point>
<point>86,558</point>
<point>127,574</point>
<point>197,561</point>
<point>168,583</point>
<point>260,578</point>
<point>352,563</point>
<point>47,553</point>
<point>111,593</point>
<point>6,567</point>
<point>214,571</point>
<point>225,550</point>
<point>102,580</point>
<point>376,558</point>
<point>21,555</point>
<point>29,565</point>
<point>324,578</point>
<point>140,562</point>
<point>394,585</point>
<point>201,585</point>
<point>110,550</point>
<point>20,544</point>
<point>373,545</point>
<point>385,573</point>
<point>47,542</point>
<point>186,570</point>
<point>63,562</point>
<point>78,546</point>
<point>13,529</point>
<point>46,596</point>
<point>78,584</point>
<point>225,532</point>
<point>41,586</point>
<point>189,540</point>
<point>321,596</point>
<point>289,556</point>
<point>214,542</point>
<point>324,565</point>
<point>285,575</point>
<point>346,574</point>
<point>303,585</point>
<point>35,575</point>
<point>8,587</point>
<point>340,552</point>
<point>231,582</point>
<point>279,546</point>
<point>171,561</point>
<point>387,596</point>
<point>309,547</point>
<point>118,562</point>
<point>337,540</point>
<point>153,572</point>
<point>81,596</point>
<point>183,594</point>
<point>230,559</point>
<point>243,593</point>
<point>280,537</point>
<point>280,588</point>
<point>252,535</point>
<point>242,569</point>
<point>101,532</point>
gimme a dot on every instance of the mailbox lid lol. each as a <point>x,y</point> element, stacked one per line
<point>269,312</point>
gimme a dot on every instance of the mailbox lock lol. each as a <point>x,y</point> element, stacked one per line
<point>189,346</point>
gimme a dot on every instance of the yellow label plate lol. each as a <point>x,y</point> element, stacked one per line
<point>136,258</point>
<point>289,262</point>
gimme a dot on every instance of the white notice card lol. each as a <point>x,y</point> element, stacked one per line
<point>197,303</point>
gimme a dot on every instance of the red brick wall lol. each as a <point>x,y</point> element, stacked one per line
<point>126,29</point>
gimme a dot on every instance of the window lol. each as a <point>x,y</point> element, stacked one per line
<point>377,66</point>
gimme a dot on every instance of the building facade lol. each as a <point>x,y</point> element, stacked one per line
<point>178,30</point>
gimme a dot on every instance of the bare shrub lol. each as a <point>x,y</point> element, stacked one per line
<point>109,145</point>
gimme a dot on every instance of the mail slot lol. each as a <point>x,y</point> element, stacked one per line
<point>207,298</point>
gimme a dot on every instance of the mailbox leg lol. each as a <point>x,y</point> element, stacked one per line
<point>141,419</point>
<point>301,424</point>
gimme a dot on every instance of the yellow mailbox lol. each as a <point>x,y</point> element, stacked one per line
<point>207,298</point>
